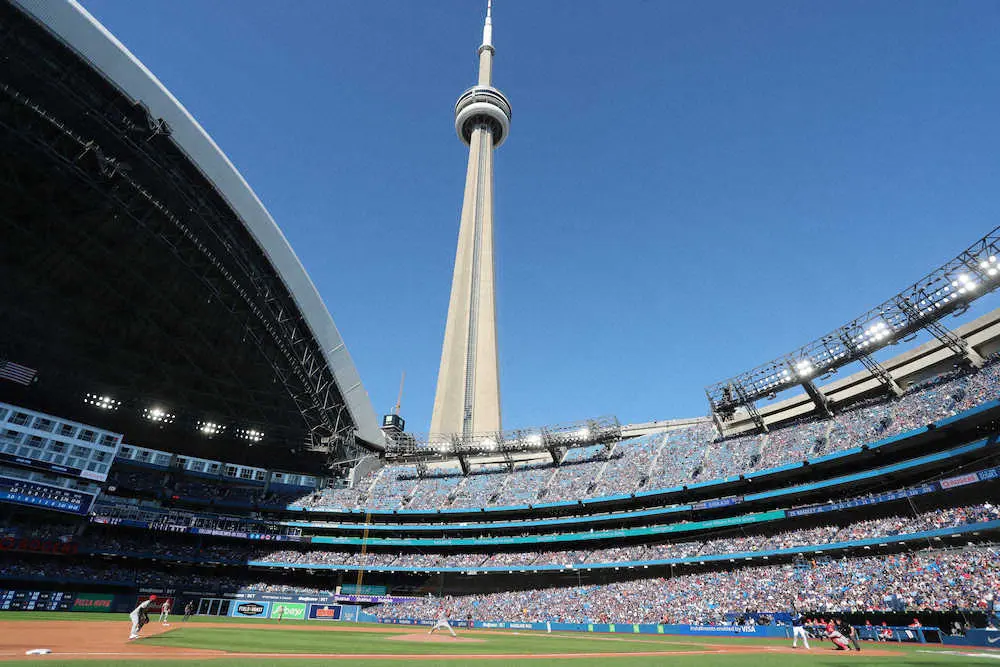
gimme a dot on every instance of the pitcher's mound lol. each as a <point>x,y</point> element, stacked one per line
<point>434,639</point>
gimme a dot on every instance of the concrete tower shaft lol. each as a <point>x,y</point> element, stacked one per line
<point>467,400</point>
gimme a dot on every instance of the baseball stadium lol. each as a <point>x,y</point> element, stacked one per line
<point>192,472</point>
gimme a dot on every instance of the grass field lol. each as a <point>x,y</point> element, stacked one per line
<point>99,639</point>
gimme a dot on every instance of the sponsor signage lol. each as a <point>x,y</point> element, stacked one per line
<point>323,599</point>
<point>959,480</point>
<point>868,500</point>
<point>250,609</point>
<point>288,611</point>
<point>724,629</point>
<point>239,534</point>
<point>364,589</point>
<point>43,546</point>
<point>324,612</point>
<point>93,602</point>
<point>26,462</point>
<point>718,502</point>
<point>989,473</point>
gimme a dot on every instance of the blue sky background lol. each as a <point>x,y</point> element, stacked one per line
<point>689,189</point>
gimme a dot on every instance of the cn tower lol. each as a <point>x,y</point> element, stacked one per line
<point>467,400</point>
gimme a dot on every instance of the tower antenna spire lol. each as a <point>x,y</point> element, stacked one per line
<point>488,26</point>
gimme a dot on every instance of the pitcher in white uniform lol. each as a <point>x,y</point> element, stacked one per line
<point>443,624</point>
<point>134,616</point>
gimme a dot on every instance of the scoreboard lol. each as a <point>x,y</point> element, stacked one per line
<point>23,492</point>
<point>36,600</point>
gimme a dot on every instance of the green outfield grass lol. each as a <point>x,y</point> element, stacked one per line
<point>298,637</point>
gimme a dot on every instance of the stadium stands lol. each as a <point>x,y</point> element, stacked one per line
<point>170,547</point>
<point>172,526</point>
<point>967,580</point>
<point>683,456</point>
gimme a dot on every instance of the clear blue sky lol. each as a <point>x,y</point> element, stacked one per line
<point>689,188</point>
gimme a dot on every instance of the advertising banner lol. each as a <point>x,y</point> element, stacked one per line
<point>292,611</point>
<point>960,480</point>
<point>93,602</point>
<point>975,637</point>
<point>324,612</point>
<point>718,502</point>
<point>44,546</point>
<point>918,490</point>
<point>250,609</point>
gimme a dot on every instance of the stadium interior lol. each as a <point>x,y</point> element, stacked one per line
<point>170,424</point>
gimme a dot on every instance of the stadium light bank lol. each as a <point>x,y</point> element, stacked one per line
<point>556,440</point>
<point>947,290</point>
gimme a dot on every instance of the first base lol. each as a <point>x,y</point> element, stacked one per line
<point>38,651</point>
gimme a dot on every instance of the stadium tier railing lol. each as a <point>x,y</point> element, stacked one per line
<point>138,517</point>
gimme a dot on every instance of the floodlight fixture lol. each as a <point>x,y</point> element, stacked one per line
<point>102,401</point>
<point>251,434</point>
<point>158,415</point>
<point>210,428</point>
<point>947,290</point>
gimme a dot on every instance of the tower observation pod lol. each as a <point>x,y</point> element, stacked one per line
<point>467,400</point>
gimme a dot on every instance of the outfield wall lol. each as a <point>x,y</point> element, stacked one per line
<point>975,637</point>
<point>899,633</point>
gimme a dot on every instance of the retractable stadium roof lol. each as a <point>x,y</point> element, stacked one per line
<point>137,264</point>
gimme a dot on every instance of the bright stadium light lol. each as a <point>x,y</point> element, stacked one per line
<point>103,402</point>
<point>583,433</point>
<point>535,439</point>
<point>253,435</point>
<point>947,289</point>
<point>804,368</point>
<point>964,283</point>
<point>210,428</point>
<point>158,415</point>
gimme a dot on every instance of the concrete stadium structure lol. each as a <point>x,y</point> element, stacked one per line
<point>467,400</point>
<point>70,81</point>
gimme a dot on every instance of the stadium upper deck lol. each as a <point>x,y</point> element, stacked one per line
<point>144,284</point>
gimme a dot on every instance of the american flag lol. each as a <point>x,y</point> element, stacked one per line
<point>16,373</point>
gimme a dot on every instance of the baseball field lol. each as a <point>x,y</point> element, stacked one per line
<point>88,639</point>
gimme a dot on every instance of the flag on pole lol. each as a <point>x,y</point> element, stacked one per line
<point>16,373</point>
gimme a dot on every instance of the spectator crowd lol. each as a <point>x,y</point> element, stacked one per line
<point>678,457</point>
<point>967,580</point>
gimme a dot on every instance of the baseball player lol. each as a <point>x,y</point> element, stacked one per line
<point>850,633</point>
<point>165,612</point>
<point>442,624</point>
<point>799,630</point>
<point>834,635</point>
<point>188,609</point>
<point>139,617</point>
